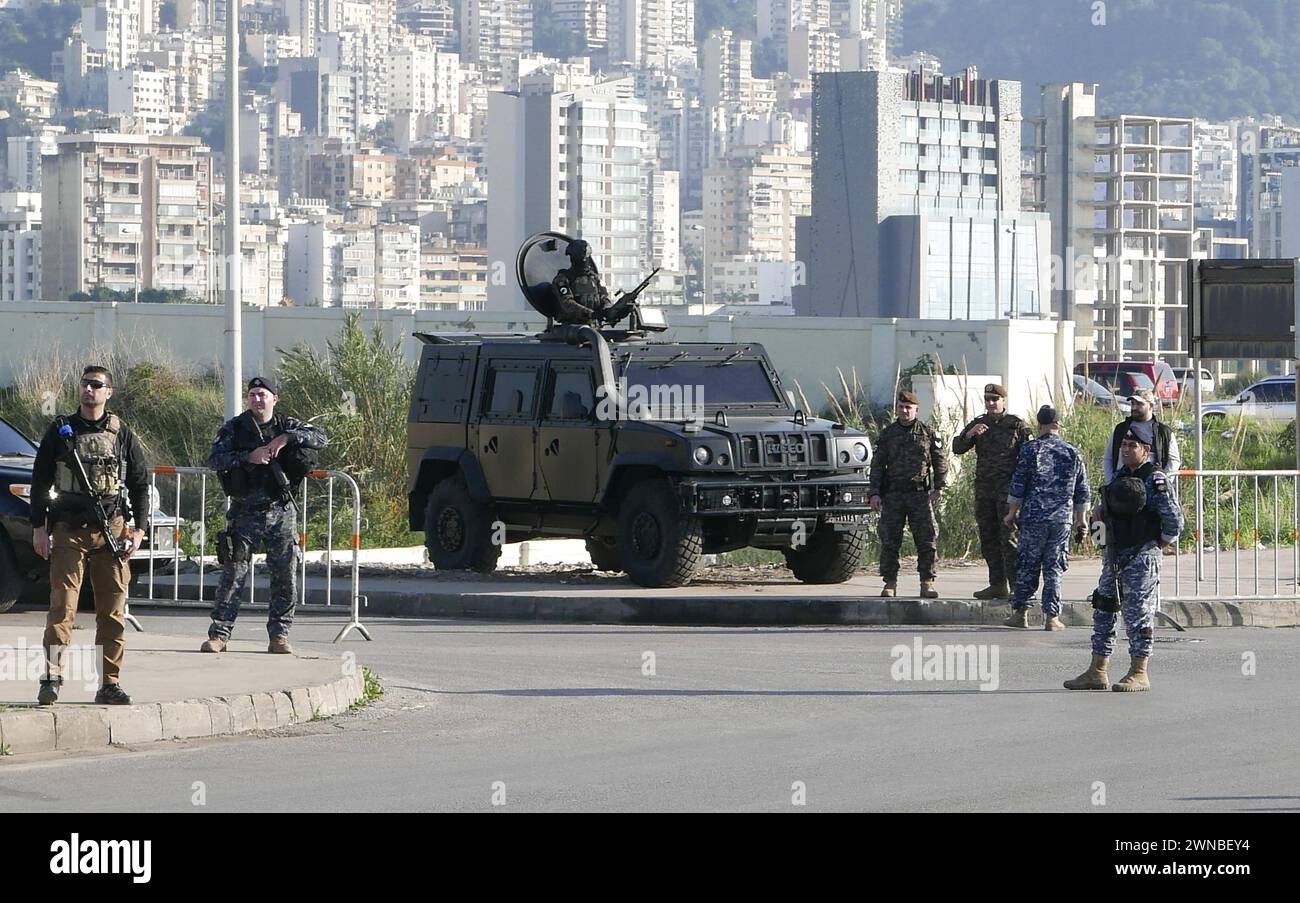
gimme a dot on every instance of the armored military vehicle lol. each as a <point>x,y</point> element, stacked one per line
<point>655,452</point>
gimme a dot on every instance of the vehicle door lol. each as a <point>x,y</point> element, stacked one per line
<point>1284,407</point>
<point>507,427</point>
<point>570,444</point>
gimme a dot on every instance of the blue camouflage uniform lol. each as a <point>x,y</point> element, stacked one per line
<point>1132,564</point>
<point>260,517</point>
<point>1049,483</point>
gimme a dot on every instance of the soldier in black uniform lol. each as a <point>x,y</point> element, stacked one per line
<point>908,471</point>
<point>66,530</point>
<point>580,296</point>
<point>997,438</point>
<point>249,451</point>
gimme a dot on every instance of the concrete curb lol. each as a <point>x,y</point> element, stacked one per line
<point>65,727</point>
<point>769,610</point>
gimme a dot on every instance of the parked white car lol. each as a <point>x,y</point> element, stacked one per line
<point>1186,381</point>
<point>1268,399</point>
<point>1093,392</point>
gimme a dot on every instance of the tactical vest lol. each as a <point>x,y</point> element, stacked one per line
<point>296,462</point>
<point>1130,530</point>
<point>101,455</point>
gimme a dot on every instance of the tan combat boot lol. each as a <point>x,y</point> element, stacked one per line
<point>1095,678</point>
<point>993,591</point>
<point>1053,623</point>
<point>1019,618</point>
<point>890,590</point>
<point>1136,680</point>
<point>213,644</point>
<point>280,645</point>
<point>928,591</point>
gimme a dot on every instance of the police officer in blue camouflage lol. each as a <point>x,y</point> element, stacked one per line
<point>1048,485</point>
<point>260,456</point>
<point>1139,516</point>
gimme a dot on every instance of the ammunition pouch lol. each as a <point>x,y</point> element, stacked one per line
<point>232,549</point>
<point>1105,603</point>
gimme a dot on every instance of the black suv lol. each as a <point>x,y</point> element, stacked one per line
<point>655,452</point>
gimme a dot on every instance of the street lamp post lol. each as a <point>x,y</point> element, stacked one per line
<point>234,343</point>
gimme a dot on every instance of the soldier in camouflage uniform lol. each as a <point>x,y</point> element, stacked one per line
<point>248,451</point>
<point>1140,515</point>
<point>580,296</point>
<point>997,438</point>
<point>908,471</point>
<point>1048,484</point>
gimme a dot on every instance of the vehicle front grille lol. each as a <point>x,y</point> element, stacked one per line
<point>785,450</point>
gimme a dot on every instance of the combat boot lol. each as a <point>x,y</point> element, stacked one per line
<point>890,590</point>
<point>1019,618</point>
<point>1095,678</point>
<point>280,646</point>
<point>1136,680</point>
<point>994,591</point>
<point>928,591</point>
<point>213,644</point>
<point>1052,622</point>
<point>49,691</point>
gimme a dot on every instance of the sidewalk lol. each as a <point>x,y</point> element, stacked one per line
<point>176,691</point>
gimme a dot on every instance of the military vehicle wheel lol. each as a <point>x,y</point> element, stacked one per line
<point>659,545</point>
<point>829,556</point>
<point>458,530</point>
<point>604,554</point>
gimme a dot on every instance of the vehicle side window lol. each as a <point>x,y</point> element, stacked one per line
<point>1163,373</point>
<point>1287,392</point>
<point>511,393</point>
<point>1266,392</point>
<point>571,396</point>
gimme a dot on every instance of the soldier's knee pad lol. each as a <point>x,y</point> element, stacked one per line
<point>1108,604</point>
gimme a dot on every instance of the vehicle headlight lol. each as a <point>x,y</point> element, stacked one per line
<point>859,452</point>
<point>844,456</point>
<point>703,455</point>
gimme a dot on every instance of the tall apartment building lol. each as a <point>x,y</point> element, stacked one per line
<point>434,19</point>
<point>575,161</point>
<point>196,59</point>
<point>23,157</point>
<point>126,211</point>
<point>1268,150</point>
<point>112,27</point>
<point>493,29</point>
<point>664,220</point>
<point>588,18</point>
<point>264,130</point>
<point>424,81</point>
<point>36,97</point>
<point>1216,175</point>
<point>916,201</point>
<point>269,49</point>
<point>649,32</point>
<point>344,178</point>
<point>20,247</point>
<point>147,96</point>
<point>453,275</point>
<point>303,17</point>
<point>324,97</point>
<point>1119,191</point>
<point>262,263</point>
<point>353,266</point>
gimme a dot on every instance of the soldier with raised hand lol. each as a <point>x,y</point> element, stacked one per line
<point>908,472</point>
<point>1139,515</point>
<point>997,438</point>
<point>1049,483</point>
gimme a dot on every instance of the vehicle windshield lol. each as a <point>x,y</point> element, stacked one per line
<point>671,388</point>
<point>1124,383</point>
<point>1091,386</point>
<point>14,443</point>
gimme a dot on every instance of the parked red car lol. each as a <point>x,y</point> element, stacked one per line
<point>1108,374</point>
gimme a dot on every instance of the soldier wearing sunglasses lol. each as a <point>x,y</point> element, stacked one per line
<point>67,531</point>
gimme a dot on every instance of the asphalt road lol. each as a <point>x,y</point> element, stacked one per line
<point>516,717</point>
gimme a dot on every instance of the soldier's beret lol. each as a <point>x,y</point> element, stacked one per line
<point>908,398</point>
<point>993,389</point>
<point>1130,435</point>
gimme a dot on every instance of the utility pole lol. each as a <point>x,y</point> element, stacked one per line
<point>234,363</point>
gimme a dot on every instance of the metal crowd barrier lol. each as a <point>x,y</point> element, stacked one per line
<point>329,476</point>
<point>1224,525</point>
